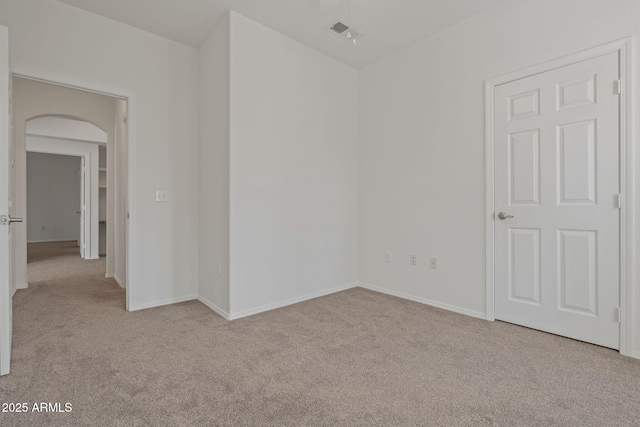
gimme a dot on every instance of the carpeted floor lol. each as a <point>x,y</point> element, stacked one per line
<point>356,358</point>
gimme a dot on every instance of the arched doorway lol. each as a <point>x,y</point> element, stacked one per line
<point>63,204</point>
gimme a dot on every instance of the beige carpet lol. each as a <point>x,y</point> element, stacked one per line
<point>356,358</point>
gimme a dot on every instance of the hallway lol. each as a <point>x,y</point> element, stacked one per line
<point>79,282</point>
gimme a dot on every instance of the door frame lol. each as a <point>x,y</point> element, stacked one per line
<point>129,96</point>
<point>7,288</point>
<point>89,152</point>
<point>627,229</point>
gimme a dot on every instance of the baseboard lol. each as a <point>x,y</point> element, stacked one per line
<point>425,301</point>
<point>117,279</point>
<point>137,307</point>
<point>636,354</point>
<point>53,241</point>
<point>108,276</point>
<point>268,307</point>
<point>214,307</point>
<point>16,287</point>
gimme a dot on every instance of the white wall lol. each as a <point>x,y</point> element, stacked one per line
<point>52,37</point>
<point>292,153</point>
<point>422,188</point>
<point>213,261</point>
<point>53,197</point>
<point>59,127</point>
<point>293,170</point>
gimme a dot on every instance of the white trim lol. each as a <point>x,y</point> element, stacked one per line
<point>314,295</point>
<point>70,81</point>
<point>425,301</point>
<point>214,307</point>
<point>22,286</point>
<point>581,56</point>
<point>85,141</point>
<point>627,213</point>
<point>132,235</point>
<point>118,281</point>
<point>163,302</point>
<point>51,241</point>
<point>627,229</point>
<point>6,287</point>
<point>291,301</point>
<point>76,82</point>
<point>636,355</point>
<point>489,201</point>
<point>108,276</point>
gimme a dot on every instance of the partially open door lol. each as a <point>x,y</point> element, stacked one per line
<point>6,196</point>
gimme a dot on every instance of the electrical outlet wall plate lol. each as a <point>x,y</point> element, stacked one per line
<point>162,196</point>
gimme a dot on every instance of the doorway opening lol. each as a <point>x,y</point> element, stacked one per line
<point>66,199</point>
<point>570,283</point>
<point>71,149</point>
<point>55,202</point>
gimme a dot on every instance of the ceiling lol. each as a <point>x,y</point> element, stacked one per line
<point>388,25</point>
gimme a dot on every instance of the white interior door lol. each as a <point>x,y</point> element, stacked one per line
<point>557,260</point>
<point>6,196</point>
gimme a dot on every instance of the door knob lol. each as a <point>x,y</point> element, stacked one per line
<point>8,220</point>
<point>503,215</point>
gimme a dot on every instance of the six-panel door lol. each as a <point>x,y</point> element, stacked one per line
<point>557,173</point>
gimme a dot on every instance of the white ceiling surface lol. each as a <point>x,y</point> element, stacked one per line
<point>389,25</point>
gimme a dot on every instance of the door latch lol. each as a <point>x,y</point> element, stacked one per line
<point>8,220</point>
<point>504,215</point>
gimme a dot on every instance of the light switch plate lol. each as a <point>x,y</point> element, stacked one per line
<point>162,196</point>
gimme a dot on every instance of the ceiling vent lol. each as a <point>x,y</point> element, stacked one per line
<point>339,27</point>
<point>345,32</point>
